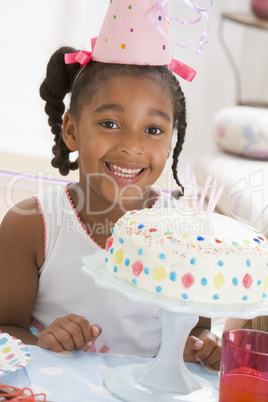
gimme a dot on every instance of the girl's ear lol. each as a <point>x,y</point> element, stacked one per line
<point>69,132</point>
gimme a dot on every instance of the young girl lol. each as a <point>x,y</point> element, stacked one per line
<point>120,120</point>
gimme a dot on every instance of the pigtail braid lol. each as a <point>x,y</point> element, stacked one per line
<point>176,152</point>
<point>58,82</point>
<point>181,130</point>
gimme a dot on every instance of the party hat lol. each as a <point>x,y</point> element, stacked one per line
<point>129,35</point>
<point>134,32</point>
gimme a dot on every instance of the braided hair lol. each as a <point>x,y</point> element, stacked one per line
<point>62,79</point>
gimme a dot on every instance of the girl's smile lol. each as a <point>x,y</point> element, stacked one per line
<point>123,137</point>
<point>124,173</point>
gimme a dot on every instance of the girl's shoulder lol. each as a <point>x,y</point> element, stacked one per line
<point>22,230</point>
<point>22,215</point>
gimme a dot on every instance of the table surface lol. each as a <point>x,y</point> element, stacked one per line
<point>78,376</point>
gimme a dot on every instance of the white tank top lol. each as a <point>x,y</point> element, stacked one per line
<point>128,327</point>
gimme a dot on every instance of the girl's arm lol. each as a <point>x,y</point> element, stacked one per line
<point>203,346</point>
<point>21,255</point>
<point>235,323</point>
<point>202,327</point>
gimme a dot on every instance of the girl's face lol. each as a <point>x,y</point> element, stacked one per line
<point>123,137</point>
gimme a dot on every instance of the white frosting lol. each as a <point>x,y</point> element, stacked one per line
<point>185,256</point>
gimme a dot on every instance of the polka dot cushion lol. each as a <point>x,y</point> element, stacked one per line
<point>242,130</point>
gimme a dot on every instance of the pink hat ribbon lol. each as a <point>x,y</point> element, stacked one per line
<point>181,69</point>
<point>82,57</point>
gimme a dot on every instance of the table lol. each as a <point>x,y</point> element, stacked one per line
<point>78,376</point>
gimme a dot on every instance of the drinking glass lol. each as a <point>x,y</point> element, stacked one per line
<point>244,366</point>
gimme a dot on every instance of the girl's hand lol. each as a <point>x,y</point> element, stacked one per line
<point>71,332</point>
<point>205,350</point>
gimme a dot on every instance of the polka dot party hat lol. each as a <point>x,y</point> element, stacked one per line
<point>129,35</point>
<point>134,32</point>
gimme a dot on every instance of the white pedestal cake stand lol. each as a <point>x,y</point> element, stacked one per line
<point>165,378</point>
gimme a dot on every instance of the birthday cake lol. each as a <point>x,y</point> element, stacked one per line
<point>186,256</point>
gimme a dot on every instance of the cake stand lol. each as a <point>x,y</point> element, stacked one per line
<point>165,378</point>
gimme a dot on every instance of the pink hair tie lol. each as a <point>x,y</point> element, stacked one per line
<point>181,69</point>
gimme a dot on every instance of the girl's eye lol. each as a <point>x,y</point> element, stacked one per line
<point>154,130</point>
<point>109,124</point>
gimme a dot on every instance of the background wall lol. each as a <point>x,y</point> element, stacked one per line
<point>31,30</point>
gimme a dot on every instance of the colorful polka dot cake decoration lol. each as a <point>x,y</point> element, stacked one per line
<point>118,256</point>
<point>188,280</point>
<point>235,281</point>
<point>204,282</point>
<point>173,276</point>
<point>190,255</point>
<point>219,281</point>
<point>247,281</point>
<point>109,243</point>
<point>159,273</point>
<point>137,267</point>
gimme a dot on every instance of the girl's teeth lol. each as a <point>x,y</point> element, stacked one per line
<point>123,172</point>
<point>116,167</point>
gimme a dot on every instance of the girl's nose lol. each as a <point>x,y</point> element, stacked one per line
<point>130,143</point>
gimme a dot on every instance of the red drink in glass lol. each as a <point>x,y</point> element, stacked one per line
<point>244,366</point>
<point>243,388</point>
